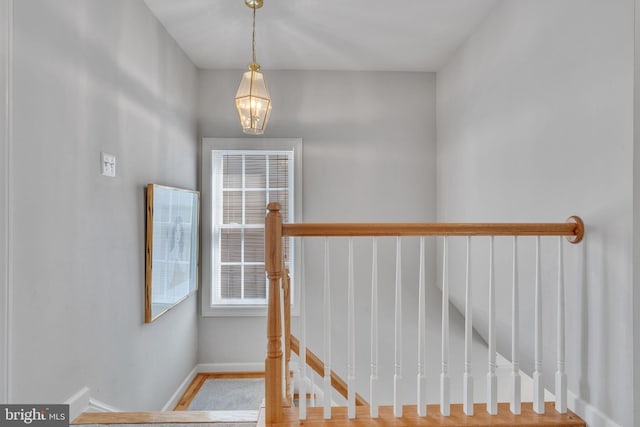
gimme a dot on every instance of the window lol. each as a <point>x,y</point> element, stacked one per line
<point>243,176</point>
<point>244,183</point>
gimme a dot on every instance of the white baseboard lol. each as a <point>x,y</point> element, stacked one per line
<point>82,402</point>
<point>173,401</point>
<point>78,403</point>
<point>97,406</point>
<point>589,413</point>
<point>230,367</point>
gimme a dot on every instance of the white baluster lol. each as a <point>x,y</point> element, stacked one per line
<point>295,379</point>
<point>468,336</point>
<point>302,368</point>
<point>373,378</point>
<point>351,337</point>
<point>397,375</point>
<point>561,376</point>
<point>312,391</point>
<point>538,387</point>
<point>327,333</point>
<point>492,379</point>
<point>422,381</point>
<point>515,335</point>
<point>445,398</point>
<point>293,367</point>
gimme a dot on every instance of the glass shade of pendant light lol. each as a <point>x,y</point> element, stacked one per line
<point>252,98</point>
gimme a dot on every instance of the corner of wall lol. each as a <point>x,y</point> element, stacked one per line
<point>589,413</point>
<point>175,397</point>
<point>78,403</point>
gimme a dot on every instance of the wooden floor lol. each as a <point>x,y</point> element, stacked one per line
<point>315,419</point>
<point>168,417</point>
<point>433,418</point>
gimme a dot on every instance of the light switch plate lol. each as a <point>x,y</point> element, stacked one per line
<point>108,162</point>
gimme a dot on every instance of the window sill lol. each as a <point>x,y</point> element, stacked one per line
<point>235,311</point>
<point>242,311</point>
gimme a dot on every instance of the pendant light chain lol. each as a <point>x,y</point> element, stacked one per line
<point>253,36</point>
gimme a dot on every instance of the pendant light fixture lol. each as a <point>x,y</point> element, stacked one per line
<point>252,99</point>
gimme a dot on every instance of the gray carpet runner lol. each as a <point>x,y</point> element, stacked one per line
<point>229,395</point>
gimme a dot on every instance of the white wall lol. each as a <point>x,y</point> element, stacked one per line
<point>535,122</point>
<point>369,155</point>
<point>636,218</point>
<point>5,35</point>
<point>94,76</point>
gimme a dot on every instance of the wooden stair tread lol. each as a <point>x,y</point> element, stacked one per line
<point>528,418</point>
<point>167,417</point>
<point>180,415</point>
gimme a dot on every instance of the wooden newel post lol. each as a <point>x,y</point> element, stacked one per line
<point>273,267</point>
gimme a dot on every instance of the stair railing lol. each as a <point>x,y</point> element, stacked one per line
<point>277,374</point>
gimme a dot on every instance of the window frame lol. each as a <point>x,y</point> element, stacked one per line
<point>207,251</point>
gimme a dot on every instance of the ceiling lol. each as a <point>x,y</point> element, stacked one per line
<point>381,35</point>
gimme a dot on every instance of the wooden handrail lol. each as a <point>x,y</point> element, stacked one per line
<point>317,365</point>
<point>573,229</point>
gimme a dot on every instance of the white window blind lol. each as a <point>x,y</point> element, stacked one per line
<point>244,182</point>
